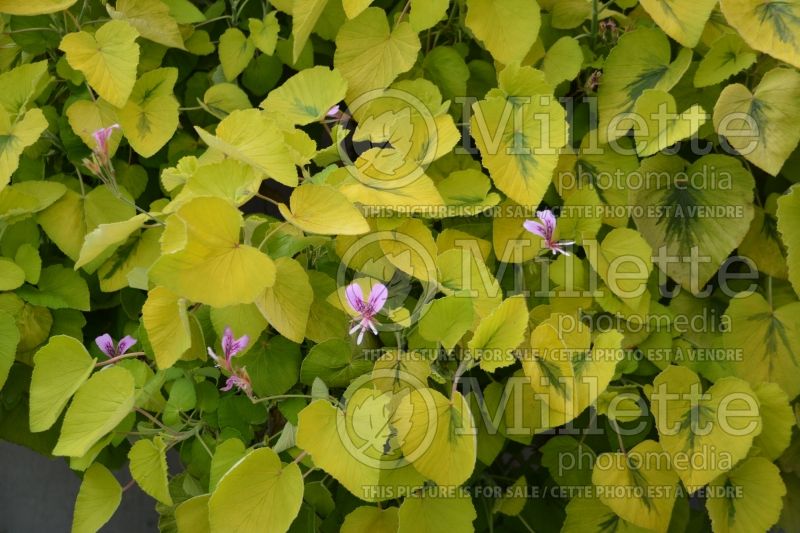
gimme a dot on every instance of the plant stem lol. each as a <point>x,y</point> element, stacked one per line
<point>118,358</point>
<point>267,198</point>
<point>300,457</point>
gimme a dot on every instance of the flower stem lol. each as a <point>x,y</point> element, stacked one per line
<point>118,358</point>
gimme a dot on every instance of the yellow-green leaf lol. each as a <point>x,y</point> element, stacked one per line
<point>761,125</point>
<point>235,52</point>
<point>274,495</point>
<point>768,26</point>
<point>150,117</point>
<point>14,138</point>
<point>34,7</point>
<point>254,139</point>
<point>323,210</point>
<point>98,498</point>
<point>99,405</point>
<point>59,369</point>
<point>307,96</point>
<point>149,468</point>
<point>108,59</point>
<point>166,321</point>
<point>151,18</point>
<point>507,28</point>
<point>370,55</point>
<point>499,334</point>
<point>287,303</point>
<point>788,221</point>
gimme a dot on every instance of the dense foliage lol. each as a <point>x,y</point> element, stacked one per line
<point>406,265</point>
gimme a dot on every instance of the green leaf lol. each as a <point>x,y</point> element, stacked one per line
<point>426,13</point>
<point>688,200</point>
<point>727,56</point>
<point>254,139</point>
<point>105,238</point>
<point>34,7</point>
<point>712,431</point>
<point>98,498</point>
<point>307,96</point>
<point>639,61</point>
<point>99,405</point>
<point>23,86</point>
<point>437,434</point>
<point>371,519</point>
<point>235,52</point>
<point>305,14</point>
<point>149,468</point>
<point>563,61</point>
<point>151,18</point>
<point>683,20</point>
<point>108,59</point>
<point>760,125</point>
<point>334,362</point>
<point>624,261</point>
<point>9,338</point>
<point>370,55</point>
<point>756,497</point>
<point>58,288</point>
<point>650,486</point>
<point>14,138</point>
<point>67,221</point>
<point>777,420</point>
<point>499,334</point>
<point>769,339</point>
<point>11,275</point>
<point>150,117</point>
<point>27,257</point>
<point>59,369</point>
<point>227,454</point>
<point>192,515</point>
<point>264,33</point>
<point>507,28</point>
<point>287,303</point>
<point>788,215</point>
<point>767,26</point>
<point>166,321</point>
<point>447,320</point>
<point>323,210</point>
<point>209,246</point>
<point>427,512</point>
<point>274,495</point>
<point>654,134</point>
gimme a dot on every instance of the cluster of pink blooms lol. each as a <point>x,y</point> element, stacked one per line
<point>237,377</point>
<point>100,162</point>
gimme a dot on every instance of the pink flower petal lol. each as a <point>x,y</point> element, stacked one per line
<point>535,227</point>
<point>549,220</point>
<point>125,344</point>
<point>355,297</point>
<point>377,297</point>
<point>106,344</point>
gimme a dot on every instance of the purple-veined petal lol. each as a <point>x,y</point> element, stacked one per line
<point>106,344</point>
<point>239,344</point>
<point>377,297</point>
<point>355,297</point>
<point>227,342</point>
<point>332,112</point>
<point>535,228</point>
<point>125,344</point>
<point>549,220</point>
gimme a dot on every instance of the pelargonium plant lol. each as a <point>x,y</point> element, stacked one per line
<point>405,265</point>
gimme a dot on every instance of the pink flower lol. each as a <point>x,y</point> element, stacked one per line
<point>366,309</point>
<point>230,347</point>
<point>101,137</point>
<point>241,380</point>
<point>107,346</point>
<point>333,112</point>
<point>546,229</point>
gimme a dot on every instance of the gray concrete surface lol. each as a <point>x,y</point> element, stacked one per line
<point>37,495</point>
